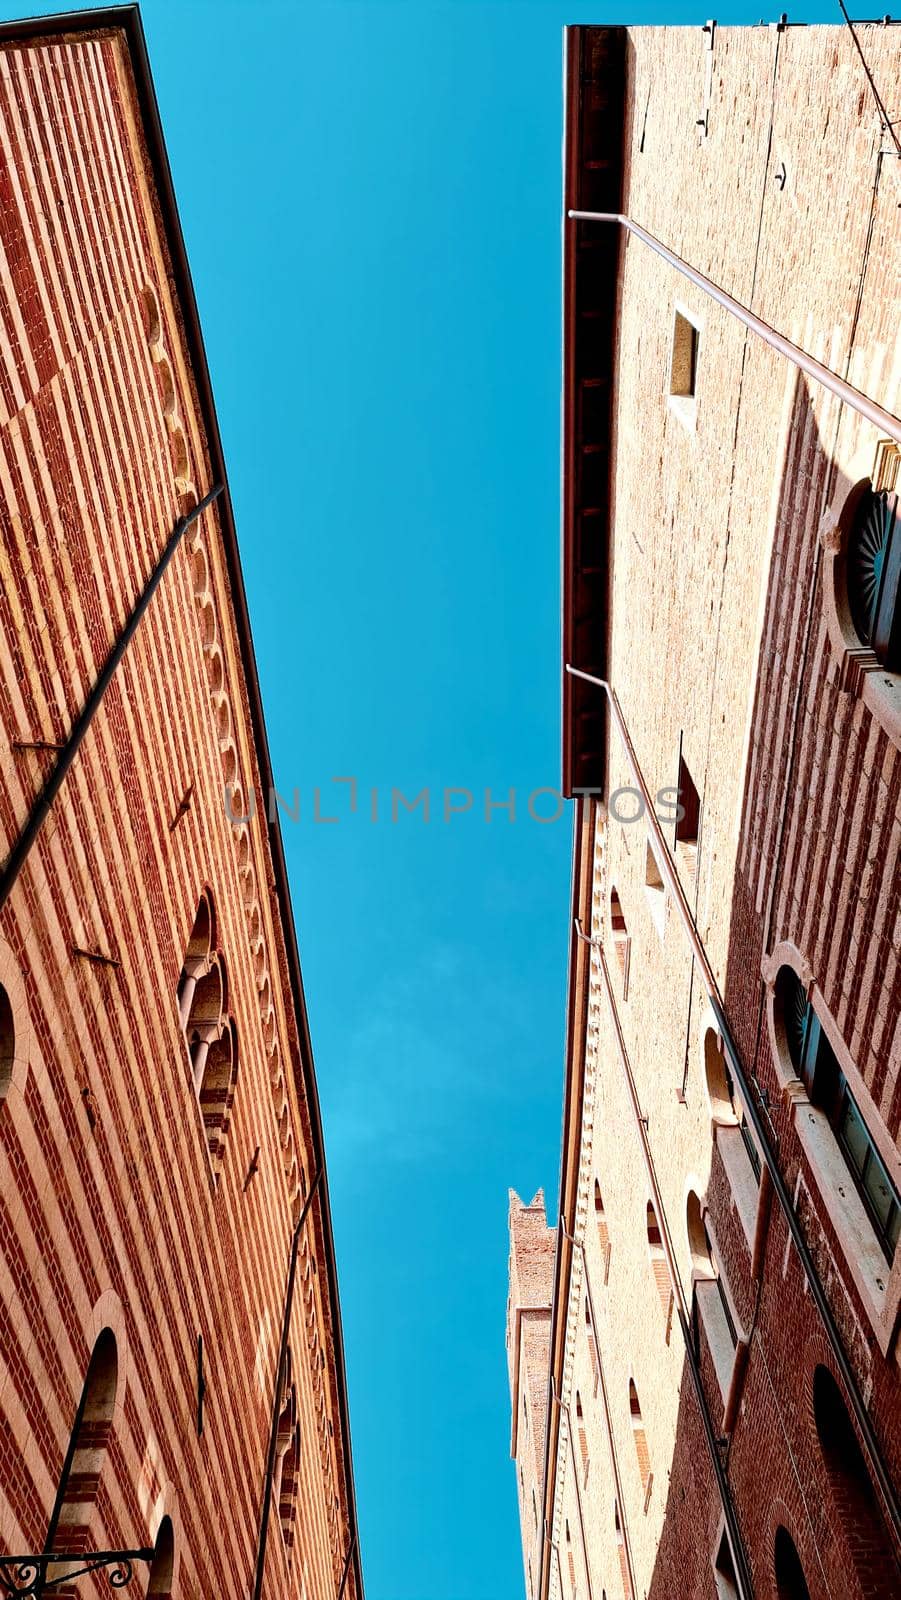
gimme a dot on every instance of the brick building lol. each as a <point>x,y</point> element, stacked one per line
<point>171,1369</point>
<point>704,1352</point>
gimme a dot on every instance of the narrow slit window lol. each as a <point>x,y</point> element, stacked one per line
<point>655,888</point>
<point>600,1217</point>
<point>688,825</point>
<point>684,361</point>
<point>622,944</point>
<point>724,1571</point>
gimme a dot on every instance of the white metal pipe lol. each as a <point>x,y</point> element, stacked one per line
<point>861,403</point>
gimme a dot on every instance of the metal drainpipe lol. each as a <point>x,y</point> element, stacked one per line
<point>19,852</point>
<point>749,1100</point>
<point>277,1393</point>
<point>733,1532</point>
<point>579,1245</point>
<point>861,403</point>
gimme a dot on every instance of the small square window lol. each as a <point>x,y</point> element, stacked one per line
<point>684,363</point>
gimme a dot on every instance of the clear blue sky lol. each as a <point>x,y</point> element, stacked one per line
<point>370,194</point>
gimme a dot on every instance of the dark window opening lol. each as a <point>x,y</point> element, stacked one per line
<point>862,1524</point>
<point>7,1042</point>
<point>791,1583</point>
<point>684,362</point>
<point>815,1062</point>
<point>724,1571</point>
<point>687,828</point>
<point>750,1142</point>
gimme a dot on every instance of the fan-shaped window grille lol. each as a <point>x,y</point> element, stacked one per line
<point>874,576</point>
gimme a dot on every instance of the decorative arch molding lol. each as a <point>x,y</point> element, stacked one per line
<point>778,1516</point>
<point>863,1537</point>
<point>790,1577</point>
<point>858,671</point>
<point>784,954</point>
<point>109,1312</point>
<point>713,1303</point>
<point>732,1137</point>
<point>164,1570</point>
<point>878,1285</point>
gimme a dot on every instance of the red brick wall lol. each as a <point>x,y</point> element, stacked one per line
<point>109,1211</point>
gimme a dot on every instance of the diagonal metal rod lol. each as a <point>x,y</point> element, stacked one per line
<point>886,120</point>
<point>749,1099</point>
<point>844,391</point>
<point>19,853</point>
<point>350,1550</point>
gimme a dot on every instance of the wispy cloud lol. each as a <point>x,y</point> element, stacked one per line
<point>409,1073</point>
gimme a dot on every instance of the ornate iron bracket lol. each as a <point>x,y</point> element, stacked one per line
<point>27,1575</point>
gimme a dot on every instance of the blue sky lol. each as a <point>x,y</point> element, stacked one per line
<point>370,195</point>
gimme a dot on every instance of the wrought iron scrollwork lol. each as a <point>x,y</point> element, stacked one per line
<point>27,1576</point>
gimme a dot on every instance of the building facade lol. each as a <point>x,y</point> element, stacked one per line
<point>716,1382</point>
<point>171,1368</point>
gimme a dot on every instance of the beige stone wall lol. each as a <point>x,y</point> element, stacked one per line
<point>719,643</point>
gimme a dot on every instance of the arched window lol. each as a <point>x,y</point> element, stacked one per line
<point>287,1498</point>
<point>622,943</point>
<point>641,1442</point>
<point>621,1551</point>
<point>583,1437</point>
<point>70,1520</point>
<point>860,1519</point>
<point>603,1231</point>
<point>733,1137</point>
<point>7,1043</point>
<point>217,1090</point>
<point>287,1457</point>
<point>659,1268</point>
<point>196,959</point>
<point>210,1035</point>
<point>791,1583</point>
<point>874,575</point>
<point>711,1303</point>
<point>815,1062</point>
<point>162,1566</point>
<point>204,1024</point>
